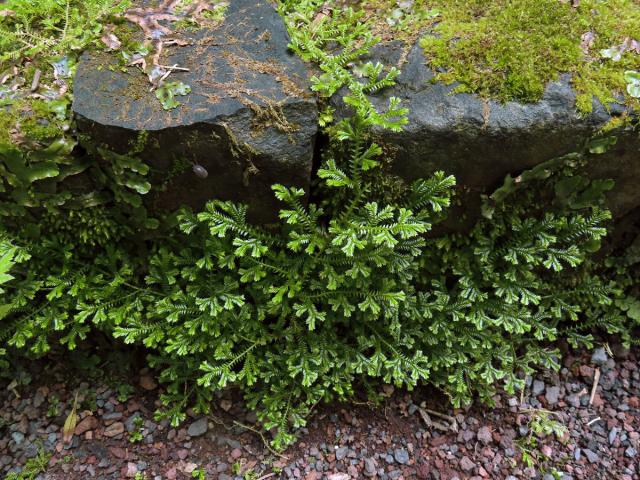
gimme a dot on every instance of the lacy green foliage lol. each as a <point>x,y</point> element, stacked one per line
<point>335,42</point>
<point>620,273</point>
<point>33,467</point>
<point>604,290</point>
<point>85,228</point>
<point>10,255</point>
<point>341,293</point>
<point>500,293</point>
<point>511,49</point>
<point>334,298</point>
<point>542,424</point>
<point>52,296</point>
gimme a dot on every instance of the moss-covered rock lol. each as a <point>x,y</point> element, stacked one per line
<point>511,49</point>
<point>480,140</point>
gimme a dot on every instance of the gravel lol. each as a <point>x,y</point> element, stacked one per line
<point>484,435</point>
<point>341,453</point>
<point>198,428</point>
<point>592,456</point>
<point>466,464</point>
<point>552,395</point>
<point>348,441</point>
<point>369,467</point>
<point>599,356</point>
<point>537,388</point>
<point>17,437</point>
<point>401,456</point>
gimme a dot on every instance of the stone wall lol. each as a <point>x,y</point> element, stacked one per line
<point>251,121</point>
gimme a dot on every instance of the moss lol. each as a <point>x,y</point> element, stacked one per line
<point>8,121</point>
<point>139,143</point>
<point>85,227</point>
<point>32,120</point>
<point>510,49</point>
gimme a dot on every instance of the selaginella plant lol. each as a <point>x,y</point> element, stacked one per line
<point>498,295</point>
<point>344,292</point>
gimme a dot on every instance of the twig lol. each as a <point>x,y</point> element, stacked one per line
<point>268,475</point>
<point>12,388</point>
<point>247,427</point>
<point>593,421</point>
<point>429,423</point>
<point>452,420</point>
<point>424,413</point>
<point>607,347</point>
<point>438,414</point>
<point>164,77</point>
<point>596,379</point>
<point>256,431</point>
<point>540,410</point>
<point>264,440</point>
<point>36,80</point>
<point>6,77</point>
<point>169,71</point>
<point>175,67</point>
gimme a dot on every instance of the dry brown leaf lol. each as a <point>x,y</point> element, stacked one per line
<point>586,41</point>
<point>632,44</point>
<point>111,40</point>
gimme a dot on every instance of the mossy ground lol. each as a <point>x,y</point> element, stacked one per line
<point>34,36</point>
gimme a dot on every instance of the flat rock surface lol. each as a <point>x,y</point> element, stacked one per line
<point>239,63</point>
<point>250,120</point>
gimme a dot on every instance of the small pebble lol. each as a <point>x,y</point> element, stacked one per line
<point>599,356</point>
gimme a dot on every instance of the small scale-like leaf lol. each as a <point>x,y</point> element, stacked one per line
<point>167,94</point>
<point>614,53</point>
<point>632,76</point>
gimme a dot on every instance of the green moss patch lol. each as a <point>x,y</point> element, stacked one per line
<point>510,49</point>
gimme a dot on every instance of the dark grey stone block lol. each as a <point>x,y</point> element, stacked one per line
<point>250,119</point>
